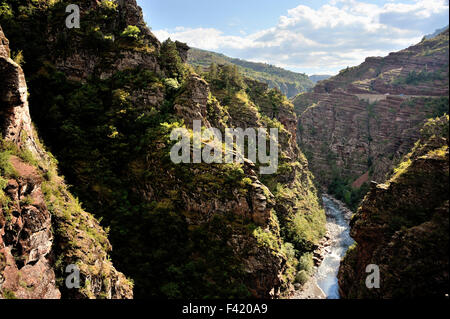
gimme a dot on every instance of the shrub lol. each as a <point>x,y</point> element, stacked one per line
<point>131,31</point>
<point>8,294</point>
<point>5,11</point>
<point>6,169</point>
<point>18,58</point>
<point>306,263</point>
<point>302,277</point>
<point>171,85</point>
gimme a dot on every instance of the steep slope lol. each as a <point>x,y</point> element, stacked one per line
<point>358,124</point>
<point>42,227</point>
<point>289,83</point>
<point>106,97</point>
<point>403,226</point>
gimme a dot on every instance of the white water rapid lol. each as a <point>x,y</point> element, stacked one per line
<point>339,232</point>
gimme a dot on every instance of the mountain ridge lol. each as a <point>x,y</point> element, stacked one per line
<point>288,82</point>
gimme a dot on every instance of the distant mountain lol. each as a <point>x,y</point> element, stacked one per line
<point>357,125</point>
<point>289,83</point>
<point>436,33</point>
<point>319,77</point>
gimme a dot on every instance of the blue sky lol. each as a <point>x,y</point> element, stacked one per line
<point>314,37</point>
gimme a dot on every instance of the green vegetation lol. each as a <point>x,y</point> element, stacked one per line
<point>111,135</point>
<point>171,61</point>
<point>6,169</point>
<point>299,213</point>
<point>289,83</point>
<point>305,267</point>
<point>341,189</point>
<point>18,58</point>
<point>131,31</point>
<point>8,294</point>
<point>415,78</point>
<point>438,106</point>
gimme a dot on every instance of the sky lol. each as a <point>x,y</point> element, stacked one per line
<point>312,36</point>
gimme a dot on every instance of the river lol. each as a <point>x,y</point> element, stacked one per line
<point>339,232</point>
<point>324,282</point>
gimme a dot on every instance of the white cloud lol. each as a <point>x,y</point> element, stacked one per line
<point>324,40</point>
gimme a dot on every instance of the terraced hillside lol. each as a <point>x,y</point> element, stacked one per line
<point>357,125</point>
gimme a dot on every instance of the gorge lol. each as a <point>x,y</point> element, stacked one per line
<point>86,177</point>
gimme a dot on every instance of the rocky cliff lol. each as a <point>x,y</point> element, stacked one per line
<point>42,227</point>
<point>357,125</point>
<point>106,97</point>
<point>402,226</point>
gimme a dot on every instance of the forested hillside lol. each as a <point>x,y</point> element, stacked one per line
<point>289,83</point>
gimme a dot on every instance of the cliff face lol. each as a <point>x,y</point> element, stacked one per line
<point>358,124</point>
<point>403,226</point>
<point>37,238</point>
<point>106,98</point>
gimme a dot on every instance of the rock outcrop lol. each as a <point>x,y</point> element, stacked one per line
<point>367,117</point>
<point>402,226</point>
<point>26,238</point>
<point>14,111</point>
<point>37,238</point>
<point>193,102</point>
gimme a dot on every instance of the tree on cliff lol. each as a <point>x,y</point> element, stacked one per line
<point>171,61</point>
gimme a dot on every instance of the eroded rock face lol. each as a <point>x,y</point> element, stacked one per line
<point>380,75</point>
<point>403,226</point>
<point>192,104</point>
<point>4,45</point>
<point>80,62</point>
<point>367,117</point>
<point>183,50</point>
<point>133,16</point>
<point>26,238</point>
<point>14,112</point>
<point>28,249</point>
<point>25,226</point>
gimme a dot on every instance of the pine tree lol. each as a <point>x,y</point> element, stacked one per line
<point>213,71</point>
<point>171,61</point>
